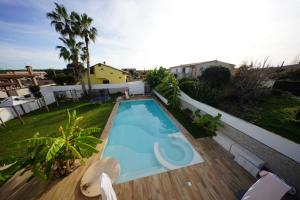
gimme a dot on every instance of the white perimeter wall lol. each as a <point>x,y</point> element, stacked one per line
<point>136,87</point>
<point>276,142</point>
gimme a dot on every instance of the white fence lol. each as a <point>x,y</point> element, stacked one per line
<point>136,87</point>
<point>8,113</point>
<point>276,142</point>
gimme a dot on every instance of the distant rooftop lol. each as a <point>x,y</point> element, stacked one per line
<point>197,63</point>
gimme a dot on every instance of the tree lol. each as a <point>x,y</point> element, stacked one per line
<point>62,22</point>
<point>216,76</point>
<point>155,76</point>
<point>71,52</point>
<point>248,82</point>
<point>82,24</point>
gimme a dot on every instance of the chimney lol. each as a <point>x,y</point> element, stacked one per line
<point>29,69</point>
<point>30,72</point>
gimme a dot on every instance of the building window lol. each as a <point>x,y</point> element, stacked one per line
<point>105,81</point>
<point>92,70</point>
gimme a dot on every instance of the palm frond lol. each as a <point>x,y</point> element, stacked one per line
<point>89,131</point>
<point>86,147</point>
<point>74,151</point>
<point>35,141</point>
<point>55,148</point>
<point>88,140</point>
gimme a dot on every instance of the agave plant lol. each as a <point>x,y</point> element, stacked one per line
<point>57,153</point>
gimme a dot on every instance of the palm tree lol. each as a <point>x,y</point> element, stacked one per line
<point>72,51</point>
<point>63,25</point>
<point>82,25</point>
<point>61,20</point>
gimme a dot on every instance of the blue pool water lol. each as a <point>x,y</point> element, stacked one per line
<point>138,124</point>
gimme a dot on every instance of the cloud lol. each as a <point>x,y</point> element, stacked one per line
<point>142,33</point>
<point>22,28</point>
<point>19,57</point>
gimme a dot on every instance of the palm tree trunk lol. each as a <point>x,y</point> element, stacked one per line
<point>88,65</point>
<point>82,83</point>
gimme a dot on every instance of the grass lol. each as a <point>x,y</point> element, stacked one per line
<point>47,123</point>
<point>274,114</point>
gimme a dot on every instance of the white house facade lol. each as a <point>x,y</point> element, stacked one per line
<point>195,69</point>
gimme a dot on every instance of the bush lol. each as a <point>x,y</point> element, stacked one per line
<point>248,83</point>
<point>288,115</point>
<point>208,123</point>
<point>200,91</point>
<point>188,113</point>
<point>35,90</point>
<point>290,86</point>
<point>216,76</point>
<point>169,88</point>
<point>156,76</point>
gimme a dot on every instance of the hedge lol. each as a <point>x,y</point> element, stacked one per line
<point>287,85</point>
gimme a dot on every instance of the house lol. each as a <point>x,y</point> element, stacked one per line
<point>102,73</point>
<point>195,69</point>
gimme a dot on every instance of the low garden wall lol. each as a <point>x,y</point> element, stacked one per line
<point>136,87</point>
<point>7,114</point>
<point>280,155</point>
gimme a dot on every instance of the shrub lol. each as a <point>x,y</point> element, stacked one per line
<point>216,76</point>
<point>188,113</point>
<point>200,91</point>
<point>208,123</point>
<point>287,85</point>
<point>169,88</point>
<point>35,90</point>
<point>156,76</point>
<point>288,115</point>
<point>248,83</point>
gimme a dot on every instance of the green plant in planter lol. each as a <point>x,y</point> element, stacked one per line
<point>208,123</point>
<point>56,154</point>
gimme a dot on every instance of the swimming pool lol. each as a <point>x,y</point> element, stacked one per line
<point>145,141</point>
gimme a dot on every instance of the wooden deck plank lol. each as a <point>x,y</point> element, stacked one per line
<point>218,177</point>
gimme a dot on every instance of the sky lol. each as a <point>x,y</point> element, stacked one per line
<point>149,33</point>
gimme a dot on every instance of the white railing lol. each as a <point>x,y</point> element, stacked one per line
<point>276,142</point>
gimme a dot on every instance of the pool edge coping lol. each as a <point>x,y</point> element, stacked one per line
<point>105,133</point>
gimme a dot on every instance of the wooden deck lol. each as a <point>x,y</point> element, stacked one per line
<point>218,177</point>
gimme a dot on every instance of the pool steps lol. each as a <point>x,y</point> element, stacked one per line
<point>196,157</point>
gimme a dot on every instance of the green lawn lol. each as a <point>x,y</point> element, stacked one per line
<point>47,123</point>
<point>275,113</point>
